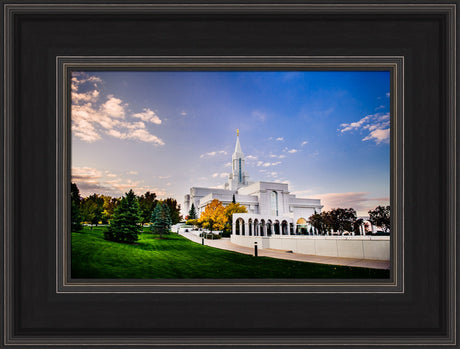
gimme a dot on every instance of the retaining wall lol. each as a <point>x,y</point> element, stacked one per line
<point>362,247</point>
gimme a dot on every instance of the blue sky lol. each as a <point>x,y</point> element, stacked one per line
<point>324,133</point>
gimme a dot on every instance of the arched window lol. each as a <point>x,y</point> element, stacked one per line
<point>274,203</point>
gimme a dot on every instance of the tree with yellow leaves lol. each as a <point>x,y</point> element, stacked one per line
<point>229,211</point>
<point>213,217</point>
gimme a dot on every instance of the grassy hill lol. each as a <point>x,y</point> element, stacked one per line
<point>175,257</point>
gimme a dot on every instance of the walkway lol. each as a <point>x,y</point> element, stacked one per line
<point>225,244</point>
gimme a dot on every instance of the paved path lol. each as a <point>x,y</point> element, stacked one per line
<point>225,244</point>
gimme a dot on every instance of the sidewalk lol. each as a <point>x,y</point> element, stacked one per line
<point>225,244</point>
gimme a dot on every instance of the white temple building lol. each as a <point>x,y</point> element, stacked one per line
<point>271,208</point>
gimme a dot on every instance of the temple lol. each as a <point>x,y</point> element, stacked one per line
<point>271,208</point>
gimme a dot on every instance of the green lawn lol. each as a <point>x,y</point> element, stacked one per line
<point>176,257</point>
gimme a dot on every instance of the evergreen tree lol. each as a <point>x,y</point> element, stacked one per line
<point>75,203</point>
<point>192,212</point>
<point>124,226</point>
<point>233,199</point>
<point>161,219</point>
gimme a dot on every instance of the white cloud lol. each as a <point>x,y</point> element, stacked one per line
<point>90,96</point>
<point>219,175</point>
<point>304,143</point>
<point>148,116</point>
<point>387,94</point>
<point>228,164</point>
<point>90,121</point>
<point>280,139</point>
<point>292,151</point>
<point>81,79</point>
<point>251,157</point>
<point>354,125</point>
<point>133,172</point>
<point>213,153</point>
<point>113,107</point>
<point>267,164</point>
<point>91,180</point>
<point>282,156</point>
<point>85,173</point>
<point>378,136</point>
<point>378,126</point>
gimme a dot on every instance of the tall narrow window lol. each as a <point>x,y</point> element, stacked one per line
<point>274,203</point>
<point>241,179</point>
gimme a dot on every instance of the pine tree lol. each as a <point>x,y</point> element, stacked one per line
<point>124,226</point>
<point>233,199</point>
<point>192,212</point>
<point>161,219</point>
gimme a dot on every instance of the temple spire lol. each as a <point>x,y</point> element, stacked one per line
<point>238,145</point>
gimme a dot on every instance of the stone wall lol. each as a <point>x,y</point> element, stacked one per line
<point>362,247</point>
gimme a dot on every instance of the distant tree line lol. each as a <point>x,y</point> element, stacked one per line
<point>126,214</point>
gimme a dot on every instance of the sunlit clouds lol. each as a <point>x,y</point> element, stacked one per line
<point>360,201</point>
<point>95,116</point>
<point>376,125</point>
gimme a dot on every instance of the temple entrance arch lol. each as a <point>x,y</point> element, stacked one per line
<point>302,227</point>
<point>284,228</point>
<point>276,226</point>
<point>269,227</point>
<point>239,226</point>
<point>263,228</point>
<point>256,227</point>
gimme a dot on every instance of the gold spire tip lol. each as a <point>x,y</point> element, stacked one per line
<point>238,132</point>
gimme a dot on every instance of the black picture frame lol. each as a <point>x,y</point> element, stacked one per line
<point>420,309</point>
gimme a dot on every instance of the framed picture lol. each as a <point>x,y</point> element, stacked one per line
<point>266,213</point>
<point>121,121</point>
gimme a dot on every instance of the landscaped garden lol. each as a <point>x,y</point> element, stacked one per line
<point>175,257</point>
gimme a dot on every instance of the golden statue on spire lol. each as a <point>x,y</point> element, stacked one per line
<point>237,132</point>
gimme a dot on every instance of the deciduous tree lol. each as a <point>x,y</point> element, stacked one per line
<point>92,207</point>
<point>213,217</point>
<point>75,202</point>
<point>147,204</point>
<point>229,210</point>
<point>380,216</point>
<point>174,210</point>
<point>342,219</point>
